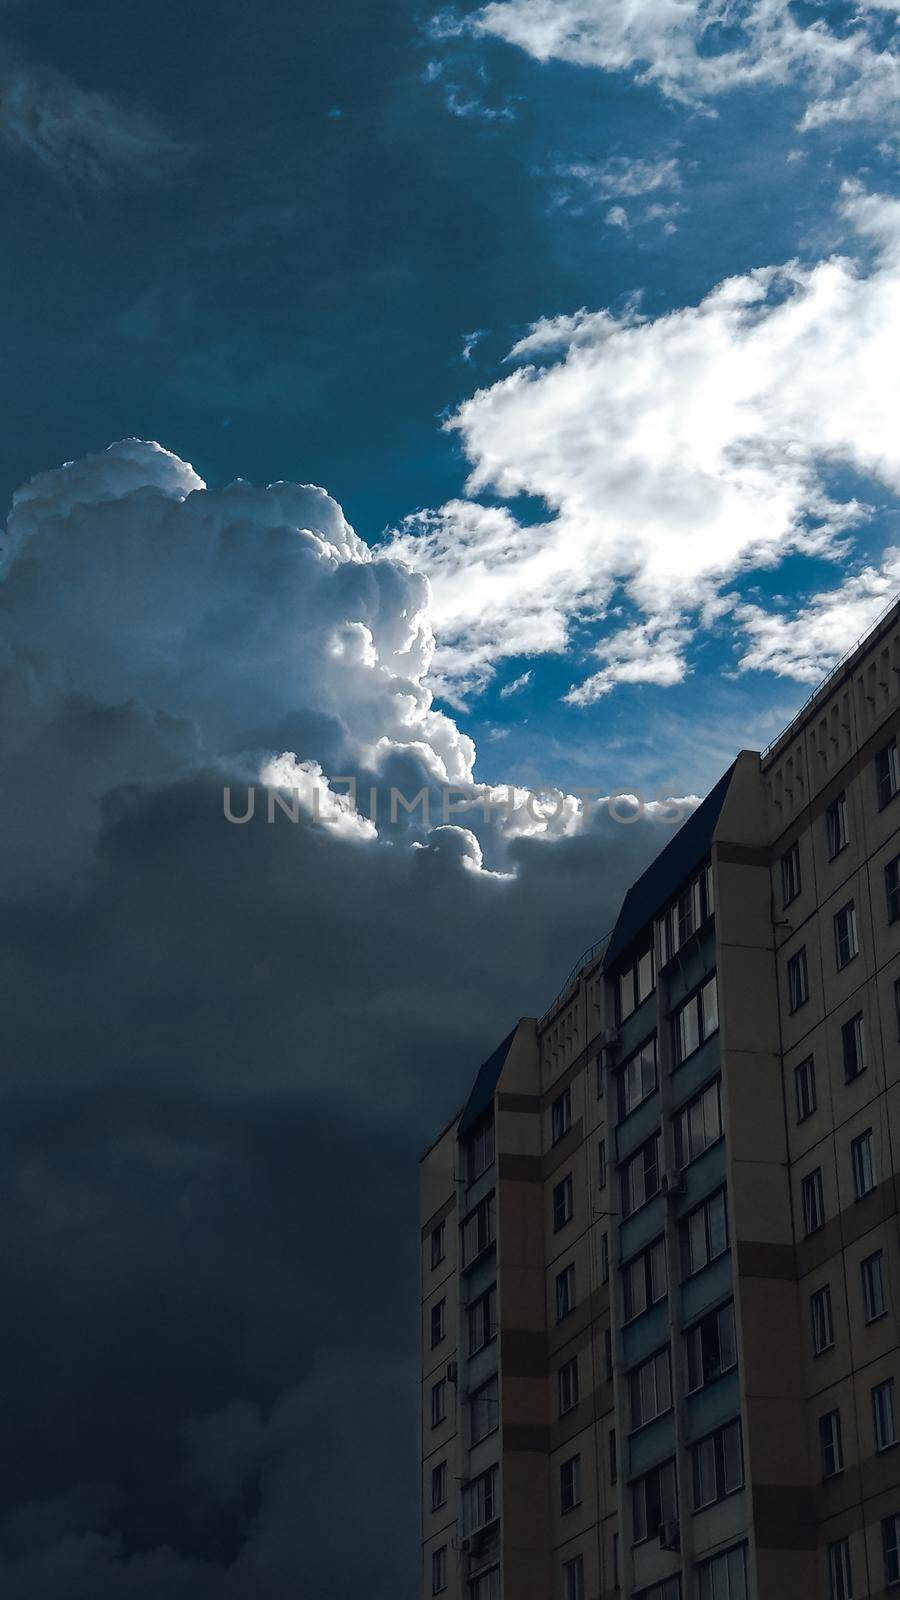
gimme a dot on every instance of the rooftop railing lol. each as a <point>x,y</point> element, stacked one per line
<point>832,673</point>
<point>584,960</point>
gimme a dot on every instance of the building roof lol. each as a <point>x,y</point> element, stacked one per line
<point>665,876</point>
<point>485,1084</point>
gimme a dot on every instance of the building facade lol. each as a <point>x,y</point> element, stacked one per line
<point>660,1249</point>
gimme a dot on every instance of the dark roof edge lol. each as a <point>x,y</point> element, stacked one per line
<point>667,872</point>
<point>485,1084</point>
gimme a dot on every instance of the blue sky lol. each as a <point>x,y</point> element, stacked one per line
<point>289,221</point>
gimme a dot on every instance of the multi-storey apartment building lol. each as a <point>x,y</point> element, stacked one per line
<point>661,1267</point>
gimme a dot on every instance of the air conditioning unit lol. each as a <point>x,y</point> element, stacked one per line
<point>673,1183</point>
<point>452,1372</point>
<point>669,1536</point>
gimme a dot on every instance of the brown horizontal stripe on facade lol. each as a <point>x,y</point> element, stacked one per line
<point>859,1218</point>
<point>438,1216</point>
<point>759,1260</point>
<point>519,1102</point>
<point>520,1169</point>
<point>564,1149</point>
<point>523,1353</point>
<point>785,1516</point>
<point>533,1437</point>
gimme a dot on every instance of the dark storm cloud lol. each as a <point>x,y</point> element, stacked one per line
<point>225,1046</point>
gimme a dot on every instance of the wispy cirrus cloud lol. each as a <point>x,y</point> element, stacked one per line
<point>81,137</point>
<point>848,63</point>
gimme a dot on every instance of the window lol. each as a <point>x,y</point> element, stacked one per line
<point>601,1164</point>
<point>724,1577</point>
<point>669,1589</point>
<point>698,1125</point>
<point>890,1544</point>
<point>563,1203</point>
<point>853,1046</point>
<point>687,914</point>
<point>711,1348</point>
<point>650,1389</point>
<point>654,1500</point>
<point>604,1258</point>
<point>640,1176</point>
<point>438,1322</point>
<point>892,888</point>
<point>599,1071</point>
<point>790,874</point>
<point>561,1115</point>
<point>484,1410</point>
<point>837,826</point>
<point>831,1445</point>
<point>717,1465</point>
<point>822,1320</point>
<point>637,1078</point>
<point>696,1020</point>
<point>840,1578</point>
<point>635,984</point>
<point>613,1457</point>
<point>704,1234</point>
<point>565,1292</point>
<point>439,1570</point>
<point>862,1158</point>
<point>567,1378</point>
<point>438,1402</point>
<point>573,1579</point>
<point>479,1500</point>
<point>479,1229</point>
<point>883,1423</point>
<point>439,1485</point>
<point>607,1353</point>
<point>846,939</point>
<point>486,1586</point>
<point>481,1149</point>
<point>887,773</point>
<point>798,980</point>
<point>805,1088</point>
<point>438,1244</point>
<point>812,1201</point>
<point>644,1279</point>
<point>874,1297</point>
<point>482,1320</point>
<point>897,1004</point>
<point>570,1483</point>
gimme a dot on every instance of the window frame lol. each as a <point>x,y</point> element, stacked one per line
<point>892,890</point>
<point>831,1440</point>
<point>811,1184</point>
<point>439,1569</point>
<point>837,825</point>
<point>685,1154</point>
<point>821,1299</point>
<point>868,1279</point>
<point>438,1244</point>
<point>695,1331</point>
<point>853,1059</point>
<point>561,1115</point>
<point>863,1163</point>
<point>563,1202</point>
<point>439,1485</point>
<point>705,1030</point>
<point>846,935</point>
<point>805,1074</point>
<point>685,1236</point>
<point>570,1489</point>
<point>716,1440</point>
<point>565,1279</point>
<point>798,993</point>
<point>791,882</point>
<point>840,1573</point>
<point>887,767</point>
<point>880,1414</point>
<point>567,1379</point>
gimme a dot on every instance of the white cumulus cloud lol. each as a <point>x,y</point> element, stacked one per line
<point>673,454</point>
